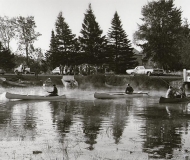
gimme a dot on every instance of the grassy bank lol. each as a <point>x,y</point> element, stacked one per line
<point>98,81</point>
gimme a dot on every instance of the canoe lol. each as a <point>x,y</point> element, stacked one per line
<point>11,83</point>
<point>33,97</point>
<point>116,95</point>
<point>173,100</point>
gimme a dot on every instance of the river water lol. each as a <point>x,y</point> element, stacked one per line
<point>84,128</point>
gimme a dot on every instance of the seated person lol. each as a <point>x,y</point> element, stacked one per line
<point>181,93</point>
<point>54,92</point>
<point>170,92</point>
<point>129,89</point>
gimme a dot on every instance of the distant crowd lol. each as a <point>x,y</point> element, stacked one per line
<point>83,69</point>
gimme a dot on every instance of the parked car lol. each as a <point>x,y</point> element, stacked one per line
<point>56,71</point>
<point>2,71</point>
<point>22,69</point>
<point>143,70</point>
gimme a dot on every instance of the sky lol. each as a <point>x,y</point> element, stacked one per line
<point>45,13</point>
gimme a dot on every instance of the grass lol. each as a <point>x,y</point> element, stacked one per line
<point>98,81</point>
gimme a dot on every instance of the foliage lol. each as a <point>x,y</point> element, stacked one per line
<point>91,81</point>
<point>92,44</point>
<point>159,35</point>
<point>120,49</point>
<point>185,45</point>
<point>7,31</point>
<point>25,27</point>
<point>6,59</point>
<point>65,42</point>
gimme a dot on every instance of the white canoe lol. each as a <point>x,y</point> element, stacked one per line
<point>33,97</point>
<point>116,95</point>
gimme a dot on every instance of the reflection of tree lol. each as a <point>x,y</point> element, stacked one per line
<point>161,126</point>
<point>62,115</point>
<point>120,111</point>
<point>26,121</point>
<point>119,121</point>
<point>92,122</point>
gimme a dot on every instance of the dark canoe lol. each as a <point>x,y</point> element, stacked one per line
<point>173,100</point>
<point>33,97</point>
<point>116,95</point>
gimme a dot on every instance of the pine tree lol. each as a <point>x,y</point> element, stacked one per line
<point>65,41</point>
<point>52,54</point>
<point>121,52</point>
<point>91,41</point>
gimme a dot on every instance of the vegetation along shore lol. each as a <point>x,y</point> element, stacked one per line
<point>101,81</point>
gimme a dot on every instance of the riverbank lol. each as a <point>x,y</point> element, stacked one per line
<point>101,81</point>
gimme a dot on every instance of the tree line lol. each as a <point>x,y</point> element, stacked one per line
<point>163,36</point>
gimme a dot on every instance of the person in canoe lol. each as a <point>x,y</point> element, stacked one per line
<point>181,92</point>
<point>170,92</point>
<point>129,89</point>
<point>54,92</point>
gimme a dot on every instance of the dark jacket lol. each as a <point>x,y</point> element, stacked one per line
<point>54,92</point>
<point>129,90</point>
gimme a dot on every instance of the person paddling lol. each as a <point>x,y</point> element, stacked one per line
<point>129,89</point>
<point>54,92</point>
<point>170,92</point>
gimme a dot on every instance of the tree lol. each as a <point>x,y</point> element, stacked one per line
<point>26,34</point>
<point>65,40</point>
<point>6,58</point>
<point>159,34</point>
<point>185,45</point>
<point>51,55</point>
<point>121,52</point>
<point>91,41</point>
<point>7,31</point>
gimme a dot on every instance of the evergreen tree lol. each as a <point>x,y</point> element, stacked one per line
<point>66,41</point>
<point>52,54</point>
<point>160,33</point>
<point>91,41</point>
<point>121,52</point>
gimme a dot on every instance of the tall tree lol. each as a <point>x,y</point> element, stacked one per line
<point>26,34</point>
<point>91,40</point>
<point>7,31</point>
<point>185,45</point>
<point>6,58</point>
<point>122,55</point>
<point>159,34</point>
<point>51,55</point>
<point>65,40</point>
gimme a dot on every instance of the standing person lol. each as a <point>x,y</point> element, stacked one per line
<point>54,92</point>
<point>129,89</point>
<point>170,92</point>
<point>61,69</point>
<point>36,72</point>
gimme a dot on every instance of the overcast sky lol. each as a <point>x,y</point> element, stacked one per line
<point>45,13</point>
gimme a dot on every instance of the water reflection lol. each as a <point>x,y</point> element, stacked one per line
<point>163,129</point>
<point>81,129</point>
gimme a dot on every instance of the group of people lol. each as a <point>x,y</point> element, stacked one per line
<point>176,93</point>
<point>171,92</point>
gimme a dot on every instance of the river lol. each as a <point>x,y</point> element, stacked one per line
<point>84,128</point>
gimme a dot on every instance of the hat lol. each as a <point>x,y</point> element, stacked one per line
<point>54,85</point>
